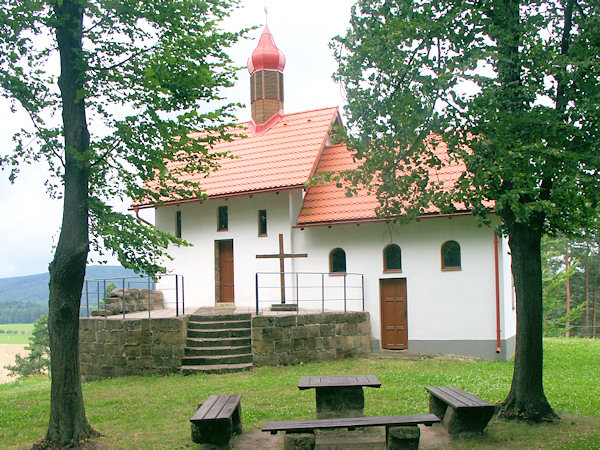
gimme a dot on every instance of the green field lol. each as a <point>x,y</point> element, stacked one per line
<point>153,411</point>
<point>19,333</point>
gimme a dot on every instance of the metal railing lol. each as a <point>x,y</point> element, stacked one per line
<point>95,294</point>
<point>337,291</point>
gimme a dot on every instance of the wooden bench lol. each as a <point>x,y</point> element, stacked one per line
<point>217,419</point>
<point>400,431</point>
<point>459,410</point>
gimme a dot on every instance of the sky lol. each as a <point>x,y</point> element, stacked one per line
<point>30,220</point>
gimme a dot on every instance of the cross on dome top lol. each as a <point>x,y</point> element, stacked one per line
<point>266,55</point>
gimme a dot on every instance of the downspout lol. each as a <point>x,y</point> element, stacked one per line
<point>498,347</point>
<point>137,214</point>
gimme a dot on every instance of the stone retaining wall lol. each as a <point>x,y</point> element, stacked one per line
<point>113,348</point>
<point>285,340</point>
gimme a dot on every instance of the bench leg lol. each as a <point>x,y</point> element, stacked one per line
<point>299,441</point>
<point>397,437</point>
<point>437,406</point>
<point>236,419</point>
<point>470,421</point>
<point>213,432</point>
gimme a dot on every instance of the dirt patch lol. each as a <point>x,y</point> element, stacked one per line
<point>7,356</point>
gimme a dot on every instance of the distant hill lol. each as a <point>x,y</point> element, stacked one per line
<point>34,288</point>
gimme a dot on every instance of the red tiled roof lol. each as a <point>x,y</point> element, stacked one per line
<point>282,157</point>
<point>327,204</point>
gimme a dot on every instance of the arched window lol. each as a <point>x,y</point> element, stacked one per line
<point>451,256</point>
<point>392,259</point>
<point>337,260</point>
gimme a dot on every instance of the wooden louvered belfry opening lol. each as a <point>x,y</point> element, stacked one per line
<point>266,94</point>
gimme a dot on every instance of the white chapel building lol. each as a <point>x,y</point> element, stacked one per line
<point>441,284</point>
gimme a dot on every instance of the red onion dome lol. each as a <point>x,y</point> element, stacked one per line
<point>266,55</point>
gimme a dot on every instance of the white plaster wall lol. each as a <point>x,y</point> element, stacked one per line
<point>199,227</point>
<point>442,305</point>
<point>509,326</point>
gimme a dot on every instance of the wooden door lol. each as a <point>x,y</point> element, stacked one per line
<point>394,330</point>
<point>226,294</point>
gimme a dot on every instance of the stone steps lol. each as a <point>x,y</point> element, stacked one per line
<point>211,325</point>
<point>218,333</point>
<point>216,368</point>
<point>215,351</point>
<point>218,343</point>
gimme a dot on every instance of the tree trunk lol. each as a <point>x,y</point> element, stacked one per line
<point>68,423</point>
<point>526,399</point>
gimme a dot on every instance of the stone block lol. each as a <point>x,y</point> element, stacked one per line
<point>319,343</point>
<point>143,337</point>
<point>310,319</point>
<point>402,437</point>
<point>118,361</point>
<point>172,338</point>
<point>162,351</point>
<point>327,330</point>
<point>285,345</point>
<point>257,334</point>
<point>350,329</point>
<point>326,355</point>
<point>145,361</point>
<point>312,330</point>
<point>212,432</point>
<point>131,350</point>
<point>266,359</point>
<point>298,332</point>
<point>264,347</point>
<point>285,321</point>
<point>283,359</point>
<point>271,334</point>
<point>299,441</point>
<point>340,402</point>
<point>145,349</point>
<point>262,321</point>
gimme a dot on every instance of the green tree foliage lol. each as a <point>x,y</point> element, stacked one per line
<point>37,360</point>
<point>108,87</point>
<point>583,274</point>
<point>21,311</point>
<point>512,87</point>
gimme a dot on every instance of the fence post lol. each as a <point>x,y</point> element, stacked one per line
<point>322,292</point>
<point>182,295</point>
<point>256,291</point>
<point>345,275</point>
<point>176,295</point>
<point>105,302</point>
<point>123,297</point>
<point>363,290</point>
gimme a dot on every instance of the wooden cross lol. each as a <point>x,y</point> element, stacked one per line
<point>281,256</point>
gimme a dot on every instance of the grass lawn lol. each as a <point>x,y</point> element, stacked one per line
<point>153,412</point>
<point>19,333</point>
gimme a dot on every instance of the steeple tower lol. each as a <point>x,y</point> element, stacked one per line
<point>266,81</point>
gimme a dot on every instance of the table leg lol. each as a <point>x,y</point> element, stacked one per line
<point>347,401</point>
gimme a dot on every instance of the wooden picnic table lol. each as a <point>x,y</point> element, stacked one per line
<point>339,395</point>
